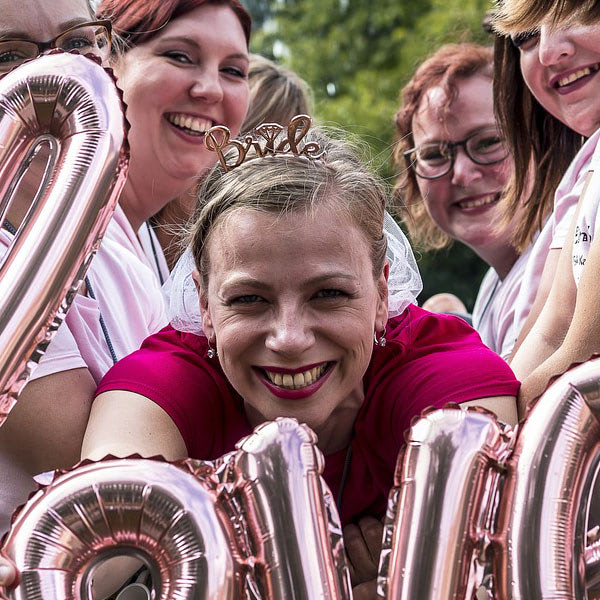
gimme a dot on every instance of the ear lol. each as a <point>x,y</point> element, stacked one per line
<point>207,324</point>
<point>381,314</point>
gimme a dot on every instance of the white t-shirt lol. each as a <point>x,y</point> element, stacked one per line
<point>154,252</point>
<point>554,232</point>
<point>131,303</point>
<point>588,217</point>
<point>494,311</point>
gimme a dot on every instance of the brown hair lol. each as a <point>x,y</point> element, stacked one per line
<point>444,68</point>
<point>542,146</point>
<point>517,16</point>
<point>276,94</point>
<point>137,21</point>
<point>283,183</point>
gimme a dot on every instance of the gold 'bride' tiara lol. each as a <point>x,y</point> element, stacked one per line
<point>218,139</point>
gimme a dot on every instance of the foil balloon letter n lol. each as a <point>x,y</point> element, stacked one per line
<point>435,535</point>
<point>71,104</point>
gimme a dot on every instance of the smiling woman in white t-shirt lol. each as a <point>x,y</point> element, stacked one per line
<point>453,167</point>
<point>558,63</point>
<point>180,75</point>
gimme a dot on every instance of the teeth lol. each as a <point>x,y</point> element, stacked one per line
<point>478,202</point>
<point>194,125</point>
<point>298,380</point>
<point>577,75</point>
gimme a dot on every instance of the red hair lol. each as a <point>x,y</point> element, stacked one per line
<point>451,64</point>
<point>137,21</point>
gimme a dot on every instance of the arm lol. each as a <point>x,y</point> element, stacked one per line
<point>583,335</point>
<point>124,423</point>
<point>549,330</point>
<point>45,429</point>
<point>543,291</point>
<point>504,407</point>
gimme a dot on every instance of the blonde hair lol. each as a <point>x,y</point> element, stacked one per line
<point>445,68</point>
<point>285,183</point>
<point>276,94</point>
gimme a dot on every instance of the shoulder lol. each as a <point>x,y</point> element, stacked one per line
<point>419,332</point>
<point>162,356</point>
<point>172,370</point>
<point>574,178</point>
<point>431,360</point>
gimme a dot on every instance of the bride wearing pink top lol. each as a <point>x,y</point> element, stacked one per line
<point>296,298</point>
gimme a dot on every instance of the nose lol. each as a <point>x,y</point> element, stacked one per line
<point>290,334</point>
<point>208,86</point>
<point>554,45</point>
<point>465,171</point>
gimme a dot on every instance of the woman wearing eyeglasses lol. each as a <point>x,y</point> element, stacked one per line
<point>453,167</point>
<point>183,70</point>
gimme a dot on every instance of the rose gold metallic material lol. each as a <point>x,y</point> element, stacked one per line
<point>291,520</point>
<point>540,545</point>
<point>257,523</point>
<point>72,104</point>
<point>440,508</point>
<point>162,513</point>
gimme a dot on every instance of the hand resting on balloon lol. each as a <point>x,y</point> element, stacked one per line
<point>363,546</point>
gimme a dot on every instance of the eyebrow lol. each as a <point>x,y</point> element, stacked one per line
<point>469,134</point>
<point>195,44</point>
<point>24,35</point>
<point>259,285</point>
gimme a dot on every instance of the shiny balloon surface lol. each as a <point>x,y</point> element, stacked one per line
<point>72,105</point>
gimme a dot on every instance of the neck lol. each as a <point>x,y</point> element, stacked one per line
<point>170,221</point>
<point>501,258</point>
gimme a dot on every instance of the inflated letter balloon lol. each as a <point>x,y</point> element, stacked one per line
<point>291,519</point>
<point>540,545</point>
<point>440,506</point>
<point>159,512</point>
<point>72,104</point>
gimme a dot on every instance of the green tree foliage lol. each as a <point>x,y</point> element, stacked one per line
<point>357,55</point>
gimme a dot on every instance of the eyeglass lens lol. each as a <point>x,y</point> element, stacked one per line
<point>93,39</point>
<point>485,147</point>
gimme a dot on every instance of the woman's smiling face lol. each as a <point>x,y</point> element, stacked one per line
<point>182,81</point>
<point>464,203</point>
<point>293,304</point>
<point>561,65</point>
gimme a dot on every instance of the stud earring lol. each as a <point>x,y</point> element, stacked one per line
<point>381,341</point>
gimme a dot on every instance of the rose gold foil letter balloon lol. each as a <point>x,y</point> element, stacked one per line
<point>540,545</point>
<point>445,483</point>
<point>291,522</point>
<point>70,103</point>
<point>162,513</point>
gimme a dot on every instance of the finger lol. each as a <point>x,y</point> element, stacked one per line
<point>372,532</point>
<point>8,572</point>
<point>365,591</point>
<point>359,556</point>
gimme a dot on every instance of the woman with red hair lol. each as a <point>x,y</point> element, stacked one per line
<point>453,167</point>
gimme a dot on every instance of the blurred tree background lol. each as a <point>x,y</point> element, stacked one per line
<point>357,55</point>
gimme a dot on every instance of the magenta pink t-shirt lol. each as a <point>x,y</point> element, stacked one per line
<point>429,360</point>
